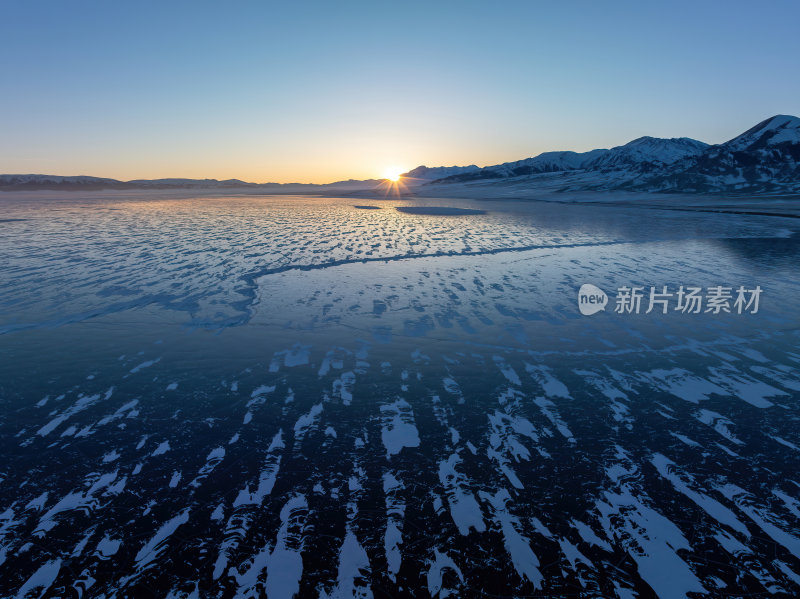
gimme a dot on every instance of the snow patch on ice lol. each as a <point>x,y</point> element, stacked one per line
<point>352,579</point>
<point>712,507</point>
<point>42,579</point>
<point>150,551</point>
<point>682,384</point>
<point>398,429</point>
<point>143,365</point>
<point>268,476</point>
<point>441,562</point>
<point>650,539</point>
<point>285,564</point>
<point>516,544</point>
<point>464,508</point>
<point>551,385</point>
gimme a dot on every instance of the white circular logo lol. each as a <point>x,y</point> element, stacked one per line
<point>591,299</point>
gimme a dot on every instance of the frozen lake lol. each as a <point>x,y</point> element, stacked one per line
<point>249,396</point>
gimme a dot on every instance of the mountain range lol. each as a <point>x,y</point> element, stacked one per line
<point>57,182</point>
<point>763,159</point>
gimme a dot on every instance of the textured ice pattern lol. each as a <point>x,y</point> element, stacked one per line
<point>254,397</point>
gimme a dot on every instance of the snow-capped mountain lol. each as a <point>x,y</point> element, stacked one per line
<point>780,129</point>
<point>645,152</point>
<point>548,162</point>
<point>427,173</point>
<point>765,158</point>
<point>653,151</point>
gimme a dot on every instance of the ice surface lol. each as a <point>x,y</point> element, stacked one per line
<point>651,539</point>
<point>276,396</point>
<point>439,210</point>
<point>711,506</point>
<point>681,383</point>
<point>762,519</point>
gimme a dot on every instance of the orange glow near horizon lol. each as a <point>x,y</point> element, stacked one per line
<point>392,173</point>
<point>393,183</point>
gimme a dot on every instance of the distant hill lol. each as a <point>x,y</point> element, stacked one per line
<point>22,182</point>
<point>80,183</point>
<point>425,173</point>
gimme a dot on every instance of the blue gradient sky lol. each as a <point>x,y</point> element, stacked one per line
<point>331,90</point>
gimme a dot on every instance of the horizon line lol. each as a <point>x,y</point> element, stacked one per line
<point>376,179</point>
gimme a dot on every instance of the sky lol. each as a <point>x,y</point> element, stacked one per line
<point>325,91</point>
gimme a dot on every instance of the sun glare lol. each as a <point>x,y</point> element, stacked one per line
<point>393,174</point>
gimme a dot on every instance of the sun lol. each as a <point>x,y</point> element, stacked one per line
<point>392,173</point>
